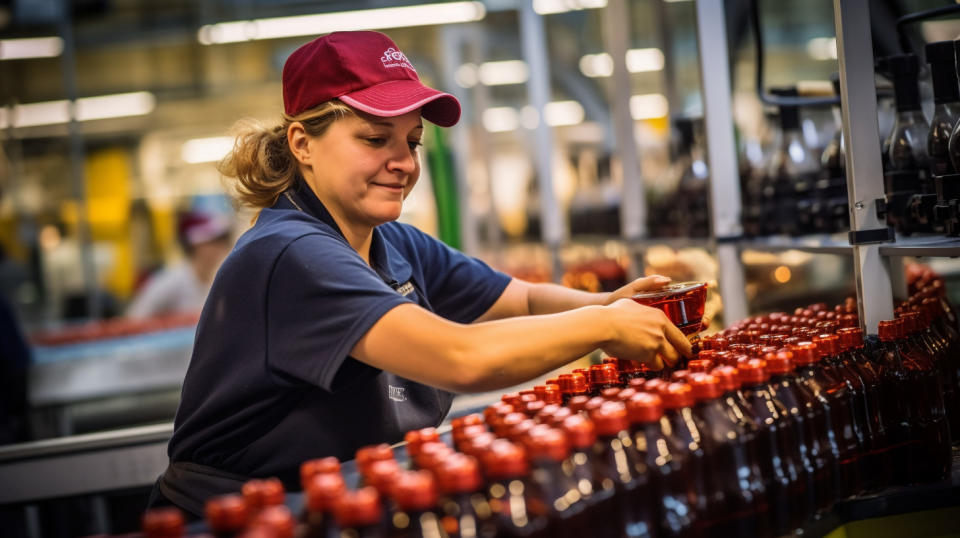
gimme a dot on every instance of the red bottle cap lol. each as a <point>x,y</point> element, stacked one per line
<point>753,372</point>
<point>601,374</point>
<point>625,394</point>
<point>549,443</point>
<point>504,459</point>
<point>318,466</point>
<point>493,412</point>
<point>559,416</point>
<point>644,408</point>
<point>705,387</point>
<point>610,394</point>
<point>573,384</point>
<point>724,358</point>
<point>855,335</point>
<point>459,474</point>
<point>887,330</point>
<point>433,453</point>
<point>532,408</point>
<point>227,512</point>
<point>554,381</point>
<point>476,446</point>
<point>371,453</point>
<point>654,385</point>
<point>700,365</point>
<point>277,520</point>
<point>578,403</point>
<point>610,418</point>
<point>359,508</point>
<point>581,433</point>
<point>830,344</point>
<point>548,394</point>
<point>164,522</point>
<point>512,398</point>
<point>260,494</point>
<point>594,403</point>
<point>679,376</point>
<point>805,353</point>
<point>626,366</point>
<point>381,475</point>
<point>911,322</point>
<point>459,436</point>
<point>322,492</point>
<point>728,376</point>
<point>637,383</point>
<point>415,491</point>
<point>460,423</point>
<point>780,362</point>
<point>676,396</point>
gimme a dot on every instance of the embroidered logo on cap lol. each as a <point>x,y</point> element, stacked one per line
<point>394,58</point>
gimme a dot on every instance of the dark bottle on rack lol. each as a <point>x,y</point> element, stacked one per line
<point>793,170</point>
<point>359,514</point>
<point>928,396</point>
<point>226,515</point>
<point>897,402</point>
<point>416,516</point>
<point>907,141</point>
<point>731,462</point>
<point>785,490</point>
<point>946,98</point>
<point>620,463</point>
<point>464,507</point>
<point>842,369</point>
<point>512,496</point>
<point>829,211</point>
<point>589,475</point>
<point>670,484</point>
<point>322,492</point>
<point>548,450</point>
<point>786,389</point>
<point>678,412</point>
<point>877,466</point>
<point>166,522</point>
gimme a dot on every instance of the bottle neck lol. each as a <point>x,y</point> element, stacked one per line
<point>906,94</point>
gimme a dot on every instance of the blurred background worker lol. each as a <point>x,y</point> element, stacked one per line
<point>206,239</point>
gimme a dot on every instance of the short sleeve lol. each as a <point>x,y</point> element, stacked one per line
<point>461,288</point>
<point>322,299</point>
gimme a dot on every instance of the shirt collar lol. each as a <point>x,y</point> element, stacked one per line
<point>385,259</point>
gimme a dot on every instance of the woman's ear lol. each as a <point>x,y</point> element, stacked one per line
<point>298,141</point>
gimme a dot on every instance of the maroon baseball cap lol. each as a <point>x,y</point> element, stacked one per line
<point>365,70</point>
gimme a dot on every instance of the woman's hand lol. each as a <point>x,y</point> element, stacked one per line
<point>645,334</point>
<point>640,285</point>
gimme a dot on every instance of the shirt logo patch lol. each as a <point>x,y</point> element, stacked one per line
<point>397,394</point>
<point>405,289</point>
<point>394,58</point>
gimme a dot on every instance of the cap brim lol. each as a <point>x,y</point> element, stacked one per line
<point>397,97</point>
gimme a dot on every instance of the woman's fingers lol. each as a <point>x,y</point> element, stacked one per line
<point>648,283</point>
<point>678,340</point>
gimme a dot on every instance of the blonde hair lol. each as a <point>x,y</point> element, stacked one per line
<point>261,166</point>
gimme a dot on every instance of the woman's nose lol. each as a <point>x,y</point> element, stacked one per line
<point>403,160</point>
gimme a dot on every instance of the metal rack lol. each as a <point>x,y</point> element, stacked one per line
<point>877,263</point>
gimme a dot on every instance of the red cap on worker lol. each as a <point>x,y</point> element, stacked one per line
<point>365,70</point>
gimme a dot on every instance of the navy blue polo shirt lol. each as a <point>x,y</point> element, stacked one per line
<point>271,383</point>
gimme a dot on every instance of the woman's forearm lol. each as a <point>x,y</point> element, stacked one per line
<point>544,298</point>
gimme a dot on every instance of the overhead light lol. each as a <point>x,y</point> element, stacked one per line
<point>31,47</point>
<point>86,109</point>
<point>500,119</point>
<point>205,150</point>
<point>466,75</point>
<point>361,19</point>
<point>822,48</point>
<point>641,60</point>
<point>637,60</point>
<point>597,65</point>
<point>503,73</point>
<point>648,106</point>
<point>547,7</point>
<point>559,113</point>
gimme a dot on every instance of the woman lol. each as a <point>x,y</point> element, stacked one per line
<point>330,326</point>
